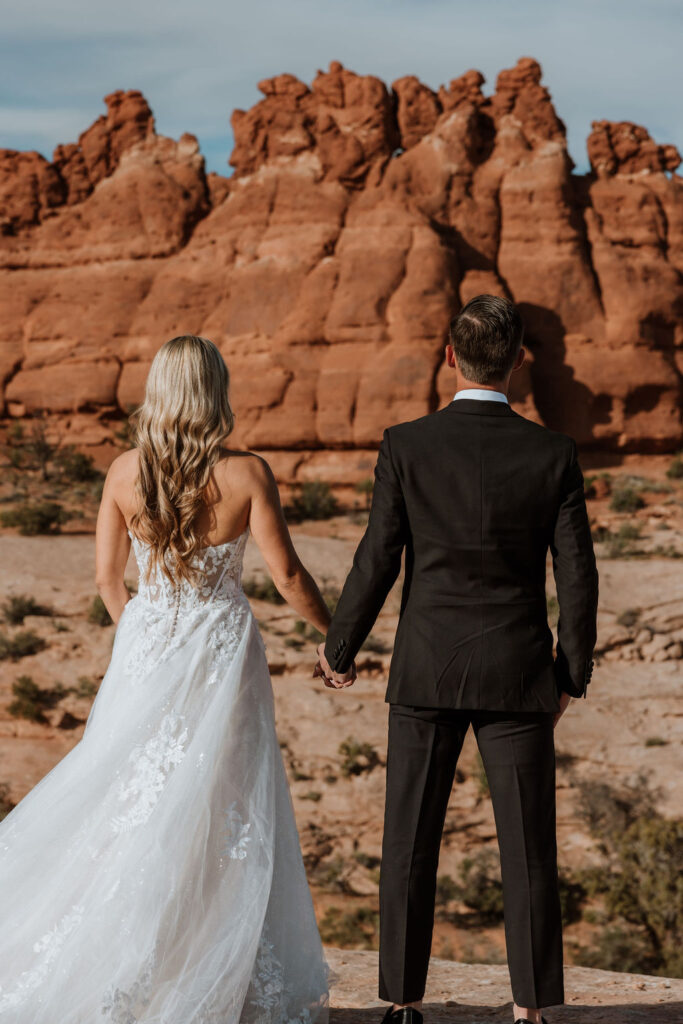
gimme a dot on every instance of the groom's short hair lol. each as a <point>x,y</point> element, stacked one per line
<point>486,336</point>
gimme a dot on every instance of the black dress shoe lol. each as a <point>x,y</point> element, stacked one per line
<point>406,1015</point>
<point>525,1020</point>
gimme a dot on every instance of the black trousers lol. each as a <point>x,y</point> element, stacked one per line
<point>518,753</point>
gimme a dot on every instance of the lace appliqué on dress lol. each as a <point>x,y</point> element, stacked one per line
<point>269,993</point>
<point>151,764</point>
<point>123,1007</point>
<point>236,833</point>
<point>49,946</point>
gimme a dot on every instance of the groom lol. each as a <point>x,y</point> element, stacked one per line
<point>475,494</point>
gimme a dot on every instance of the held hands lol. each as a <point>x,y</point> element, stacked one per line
<point>335,680</point>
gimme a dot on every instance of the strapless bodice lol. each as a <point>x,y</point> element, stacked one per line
<point>219,576</point>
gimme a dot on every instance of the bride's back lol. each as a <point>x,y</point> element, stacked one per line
<point>224,515</point>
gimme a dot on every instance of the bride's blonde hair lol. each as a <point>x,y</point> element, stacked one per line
<point>179,428</point>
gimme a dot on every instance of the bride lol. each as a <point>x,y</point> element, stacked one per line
<point>155,874</point>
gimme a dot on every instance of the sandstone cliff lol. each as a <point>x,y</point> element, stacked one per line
<point>357,220</point>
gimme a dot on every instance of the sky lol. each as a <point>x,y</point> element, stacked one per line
<point>198,60</point>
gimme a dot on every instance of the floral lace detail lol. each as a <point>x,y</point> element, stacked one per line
<point>49,946</point>
<point>123,1007</point>
<point>269,994</point>
<point>151,764</point>
<point>162,615</point>
<point>237,834</point>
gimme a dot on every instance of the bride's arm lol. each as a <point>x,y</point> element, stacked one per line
<point>269,530</point>
<point>112,546</point>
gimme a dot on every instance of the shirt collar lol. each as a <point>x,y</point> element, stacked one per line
<point>483,394</point>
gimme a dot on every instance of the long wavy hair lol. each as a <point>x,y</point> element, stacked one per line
<point>179,429</point>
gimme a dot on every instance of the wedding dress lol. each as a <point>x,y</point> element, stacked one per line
<point>155,874</point>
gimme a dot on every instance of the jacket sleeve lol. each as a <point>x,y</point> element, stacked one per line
<point>576,578</point>
<point>376,565</point>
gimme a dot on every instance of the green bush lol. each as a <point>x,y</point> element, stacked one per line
<point>74,466</point>
<point>626,499</point>
<point>85,687</point>
<point>263,590</point>
<point>314,500</point>
<point>32,519</point>
<point>629,618</point>
<point>308,632</point>
<point>30,701</point>
<point>97,613</point>
<point>640,882</point>
<point>366,487</point>
<point>16,608</point>
<point>357,757</point>
<point>20,645</point>
<point>481,777</point>
<point>675,470</point>
<point>481,888</point>
<point>6,804</point>
<point>356,929</point>
<point>552,609</point>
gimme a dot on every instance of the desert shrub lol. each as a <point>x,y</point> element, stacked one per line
<point>20,645</point>
<point>312,795</point>
<point>656,741</point>
<point>314,500</point>
<point>366,860</point>
<point>16,608</point>
<point>355,929</point>
<point>481,779</point>
<point>331,597</point>
<point>552,609</point>
<point>675,470</point>
<point>357,757</point>
<point>640,882</point>
<point>308,632</point>
<point>85,687</point>
<point>481,888</point>
<point>75,466</point>
<point>589,488</point>
<point>39,449</point>
<point>626,499</point>
<point>573,895</point>
<point>620,544</point>
<point>263,589</point>
<point>365,488</point>
<point>97,613</point>
<point>629,618</point>
<point>38,518</point>
<point>6,804</point>
<point>31,702</point>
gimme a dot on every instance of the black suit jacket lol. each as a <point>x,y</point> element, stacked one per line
<point>475,494</point>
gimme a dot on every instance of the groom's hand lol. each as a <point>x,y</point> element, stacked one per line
<point>565,701</point>
<point>335,680</point>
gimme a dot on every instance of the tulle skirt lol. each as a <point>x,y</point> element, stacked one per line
<point>155,874</point>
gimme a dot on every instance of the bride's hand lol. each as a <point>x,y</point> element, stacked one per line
<point>334,680</point>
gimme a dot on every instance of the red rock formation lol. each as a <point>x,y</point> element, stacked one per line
<point>357,221</point>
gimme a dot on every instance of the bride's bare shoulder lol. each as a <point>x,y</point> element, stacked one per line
<point>124,466</point>
<point>247,467</point>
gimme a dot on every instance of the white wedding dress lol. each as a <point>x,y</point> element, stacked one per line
<point>155,874</point>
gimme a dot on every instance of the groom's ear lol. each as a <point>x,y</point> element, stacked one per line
<point>450,356</point>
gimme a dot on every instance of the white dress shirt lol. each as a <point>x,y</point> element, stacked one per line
<point>482,393</point>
